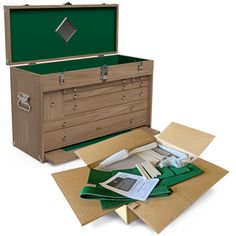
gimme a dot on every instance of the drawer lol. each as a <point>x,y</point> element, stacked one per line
<point>95,115</point>
<point>102,101</point>
<point>76,134</point>
<point>96,86</point>
<point>53,105</point>
<point>79,93</point>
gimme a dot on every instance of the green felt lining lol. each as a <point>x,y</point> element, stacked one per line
<point>79,64</point>
<point>33,35</point>
<point>92,141</point>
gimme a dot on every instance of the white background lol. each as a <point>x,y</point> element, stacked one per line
<point>193,44</point>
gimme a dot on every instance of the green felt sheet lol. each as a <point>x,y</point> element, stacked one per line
<point>33,35</point>
<point>92,141</point>
<point>169,176</point>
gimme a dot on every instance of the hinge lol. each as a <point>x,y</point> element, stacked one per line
<point>61,78</point>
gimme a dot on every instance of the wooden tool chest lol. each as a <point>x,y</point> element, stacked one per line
<point>58,97</point>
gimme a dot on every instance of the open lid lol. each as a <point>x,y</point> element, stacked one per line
<point>43,33</point>
<point>185,138</point>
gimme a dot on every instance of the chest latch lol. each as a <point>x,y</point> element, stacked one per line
<point>104,73</point>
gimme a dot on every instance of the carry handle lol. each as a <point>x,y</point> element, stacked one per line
<point>23,102</point>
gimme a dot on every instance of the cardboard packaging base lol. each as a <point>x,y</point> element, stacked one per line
<point>156,212</point>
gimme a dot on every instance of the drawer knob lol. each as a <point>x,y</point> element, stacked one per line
<point>75,107</point>
<point>140,94</point>
<point>52,104</point>
<point>63,124</point>
<point>64,138</point>
<point>75,90</point>
<point>132,108</point>
<point>75,96</point>
<point>141,84</point>
<point>123,97</point>
<point>123,81</point>
<point>131,121</point>
<point>141,78</point>
<point>123,87</point>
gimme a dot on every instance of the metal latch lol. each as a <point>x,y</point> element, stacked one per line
<point>104,73</point>
<point>61,78</point>
<point>23,102</point>
<point>140,66</point>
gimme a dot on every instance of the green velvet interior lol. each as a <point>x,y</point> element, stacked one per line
<point>62,66</point>
<point>33,35</point>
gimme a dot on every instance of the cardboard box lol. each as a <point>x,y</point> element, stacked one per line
<point>156,212</point>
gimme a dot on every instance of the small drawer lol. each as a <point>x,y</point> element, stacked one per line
<point>76,134</point>
<point>79,93</point>
<point>53,105</point>
<point>139,94</point>
<point>92,116</point>
<point>96,102</point>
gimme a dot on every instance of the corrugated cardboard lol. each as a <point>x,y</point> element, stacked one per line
<point>156,212</point>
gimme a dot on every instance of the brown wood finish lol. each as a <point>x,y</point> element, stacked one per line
<point>102,101</point>
<point>27,126</point>
<point>91,116</point>
<point>92,76</point>
<point>68,136</point>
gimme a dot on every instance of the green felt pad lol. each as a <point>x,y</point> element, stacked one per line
<point>92,141</point>
<point>98,176</point>
<point>94,193</point>
<point>178,178</point>
<point>106,204</point>
<point>33,35</point>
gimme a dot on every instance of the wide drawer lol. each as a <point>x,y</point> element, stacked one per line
<point>76,134</point>
<point>91,116</point>
<point>106,100</point>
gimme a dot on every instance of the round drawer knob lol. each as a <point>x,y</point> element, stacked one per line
<point>75,96</point>
<point>123,97</point>
<point>123,81</point>
<point>132,108</point>
<point>63,124</point>
<point>75,107</point>
<point>141,84</point>
<point>64,138</point>
<point>131,121</point>
<point>141,78</point>
<point>123,87</point>
<point>52,104</point>
<point>140,94</point>
<point>75,90</point>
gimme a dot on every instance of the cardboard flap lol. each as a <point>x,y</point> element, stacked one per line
<point>71,182</point>
<point>160,212</point>
<point>95,153</point>
<point>185,138</point>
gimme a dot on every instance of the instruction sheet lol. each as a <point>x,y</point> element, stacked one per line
<point>131,186</point>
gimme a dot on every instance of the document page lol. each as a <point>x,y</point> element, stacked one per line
<point>131,186</point>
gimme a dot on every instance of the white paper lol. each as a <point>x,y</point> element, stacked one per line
<point>131,186</point>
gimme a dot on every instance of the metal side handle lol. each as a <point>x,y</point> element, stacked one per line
<point>23,102</point>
